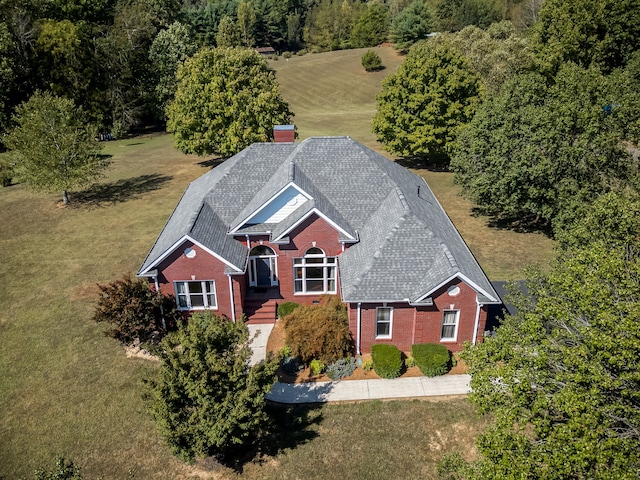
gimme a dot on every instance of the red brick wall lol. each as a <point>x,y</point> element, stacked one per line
<point>203,266</point>
<point>302,238</point>
<point>412,325</point>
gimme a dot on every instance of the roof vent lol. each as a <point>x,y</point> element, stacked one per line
<point>284,133</point>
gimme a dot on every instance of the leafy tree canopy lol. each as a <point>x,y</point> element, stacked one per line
<point>538,152</point>
<point>423,105</point>
<point>587,32</point>
<point>169,49</point>
<point>454,15</point>
<point>206,399</point>
<point>227,99</point>
<point>496,54</point>
<point>561,377</point>
<point>52,148</point>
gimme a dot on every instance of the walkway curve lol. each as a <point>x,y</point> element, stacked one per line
<point>349,390</point>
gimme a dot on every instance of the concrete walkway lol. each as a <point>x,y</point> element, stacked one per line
<point>260,334</point>
<point>346,390</point>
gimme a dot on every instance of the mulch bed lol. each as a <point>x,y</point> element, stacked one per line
<point>277,341</point>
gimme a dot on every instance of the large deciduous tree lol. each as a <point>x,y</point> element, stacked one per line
<point>207,400</point>
<point>227,99</point>
<point>496,54</point>
<point>170,49</point>
<point>52,147</point>
<point>602,33</point>
<point>538,152</point>
<point>423,105</point>
<point>561,377</point>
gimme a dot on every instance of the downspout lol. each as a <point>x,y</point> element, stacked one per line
<point>157,285</point>
<point>248,242</point>
<point>233,303</point>
<point>358,329</point>
<point>477,324</point>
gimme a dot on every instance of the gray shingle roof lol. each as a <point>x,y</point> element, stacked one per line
<point>406,245</point>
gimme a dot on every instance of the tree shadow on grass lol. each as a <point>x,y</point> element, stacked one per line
<point>291,426</point>
<point>521,224</point>
<point>211,162</point>
<point>433,163</point>
<point>120,191</point>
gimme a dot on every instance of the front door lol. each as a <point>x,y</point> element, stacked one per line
<point>262,267</point>
<point>263,271</point>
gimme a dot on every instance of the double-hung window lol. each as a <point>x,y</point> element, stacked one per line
<point>383,322</point>
<point>314,273</point>
<point>449,329</point>
<point>196,295</point>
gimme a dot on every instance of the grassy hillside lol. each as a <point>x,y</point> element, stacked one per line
<point>332,94</point>
<point>65,389</point>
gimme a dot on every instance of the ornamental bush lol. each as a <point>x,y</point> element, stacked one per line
<point>319,331</point>
<point>387,360</point>
<point>371,61</point>
<point>341,368</point>
<point>134,311</point>
<point>433,359</point>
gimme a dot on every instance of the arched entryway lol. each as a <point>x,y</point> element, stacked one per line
<point>262,267</point>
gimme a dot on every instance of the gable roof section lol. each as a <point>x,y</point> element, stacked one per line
<point>404,244</point>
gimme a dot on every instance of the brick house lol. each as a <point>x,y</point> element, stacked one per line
<point>289,221</point>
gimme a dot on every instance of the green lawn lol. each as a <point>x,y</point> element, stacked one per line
<point>66,389</point>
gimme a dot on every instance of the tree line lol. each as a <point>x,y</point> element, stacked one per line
<point>114,58</point>
<point>535,125</point>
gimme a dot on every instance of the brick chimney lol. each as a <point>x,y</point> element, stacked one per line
<point>284,133</point>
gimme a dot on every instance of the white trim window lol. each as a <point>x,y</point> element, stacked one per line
<point>384,321</point>
<point>449,331</point>
<point>196,295</point>
<point>314,273</point>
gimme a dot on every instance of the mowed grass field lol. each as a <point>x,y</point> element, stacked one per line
<point>66,389</point>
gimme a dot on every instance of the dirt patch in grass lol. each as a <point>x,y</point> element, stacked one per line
<point>277,341</point>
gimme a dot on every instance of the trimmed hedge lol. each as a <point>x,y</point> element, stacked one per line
<point>433,359</point>
<point>286,308</point>
<point>387,360</point>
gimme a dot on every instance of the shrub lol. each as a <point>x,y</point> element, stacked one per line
<point>286,54</point>
<point>286,308</point>
<point>206,399</point>
<point>134,311</point>
<point>409,362</point>
<point>367,366</point>
<point>432,358</point>
<point>302,52</point>
<point>319,331</point>
<point>387,360</point>
<point>341,368</point>
<point>371,61</point>
<point>62,471</point>
<point>291,365</point>
<point>316,366</point>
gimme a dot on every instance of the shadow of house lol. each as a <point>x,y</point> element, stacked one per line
<point>496,313</point>
<point>121,190</point>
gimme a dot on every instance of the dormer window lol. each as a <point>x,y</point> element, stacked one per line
<point>315,273</point>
